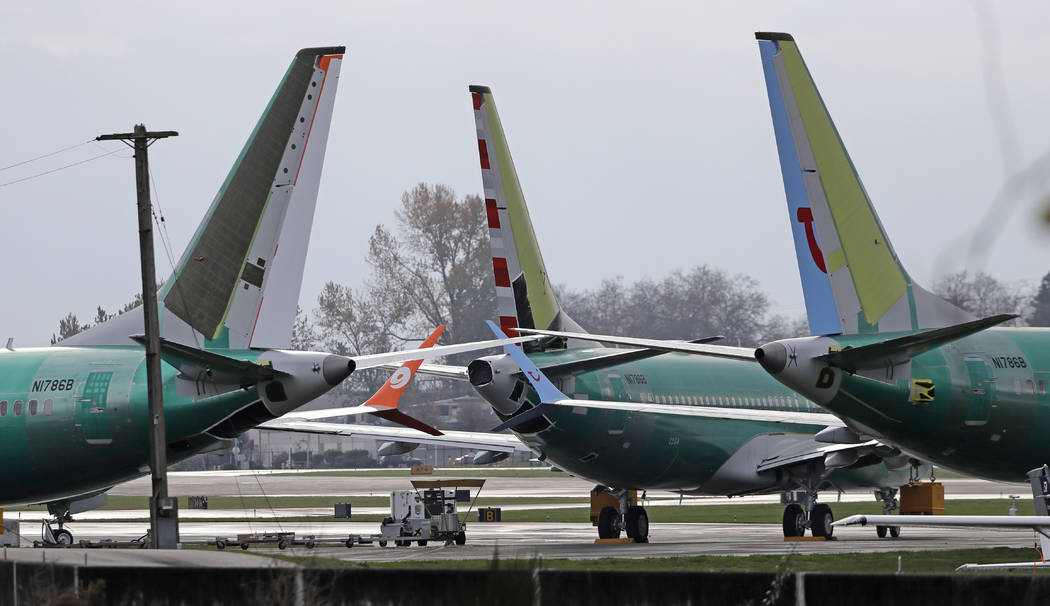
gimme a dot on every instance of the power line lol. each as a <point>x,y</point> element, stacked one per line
<point>54,153</point>
<point>55,170</point>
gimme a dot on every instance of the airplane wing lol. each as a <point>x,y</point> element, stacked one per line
<point>498,442</point>
<point>745,354</point>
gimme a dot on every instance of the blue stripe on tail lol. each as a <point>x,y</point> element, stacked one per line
<point>820,304</point>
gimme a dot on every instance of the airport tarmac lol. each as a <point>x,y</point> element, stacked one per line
<point>562,540</point>
<point>524,540</point>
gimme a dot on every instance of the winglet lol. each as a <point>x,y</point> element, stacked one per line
<point>385,400</point>
<point>546,390</point>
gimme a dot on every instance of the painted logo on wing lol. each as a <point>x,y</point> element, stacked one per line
<point>805,217</point>
<point>535,375</point>
<point>400,378</point>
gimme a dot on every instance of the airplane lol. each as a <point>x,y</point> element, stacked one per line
<point>73,417</point>
<point>898,363</point>
<point>640,419</point>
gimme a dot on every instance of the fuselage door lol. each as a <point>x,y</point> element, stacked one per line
<point>91,406</point>
<point>982,390</point>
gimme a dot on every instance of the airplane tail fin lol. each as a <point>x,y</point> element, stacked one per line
<point>524,296</point>
<point>237,283</point>
<point>852,279</point>
<point>386,399</point>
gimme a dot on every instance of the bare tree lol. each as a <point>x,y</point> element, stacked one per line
<point>983,295</point>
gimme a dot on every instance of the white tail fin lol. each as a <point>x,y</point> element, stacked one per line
<point>238,282</point>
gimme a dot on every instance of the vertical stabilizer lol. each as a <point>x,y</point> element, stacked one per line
<point>851,276</point>
<point>237,283</point>
<point>524,296</point>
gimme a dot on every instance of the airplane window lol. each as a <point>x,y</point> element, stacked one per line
<point>1029,387</point>
<point>1042,387</point>
<point>49,407</point>
<point>3,408</point>
<point>32,408</point>
<point>1017,386</point>
<point>18,408</point>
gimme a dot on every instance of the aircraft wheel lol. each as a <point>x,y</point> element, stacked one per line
<point>349,543</point>
<point>608,528</point>
<point>461,538</point>
<point>421,543</point>
<point>881,531</point>
<point>310,544</point>
<point>220,545</point>
<point>794,521</point>
<point>244,546</point>
<point>820,521</point>
<point>637,522</point>
<point>63,537</point>
<point>895,531</point>
<point>382,543</point>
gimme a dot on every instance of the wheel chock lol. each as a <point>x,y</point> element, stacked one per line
<point>606,541</point>
<point>810,539</point>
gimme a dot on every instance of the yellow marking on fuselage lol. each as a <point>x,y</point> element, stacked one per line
<point>868,406</point>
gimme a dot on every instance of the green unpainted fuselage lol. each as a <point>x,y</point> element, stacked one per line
<point>641,450</point>
<point>988,414</point>
<point>74,419</point>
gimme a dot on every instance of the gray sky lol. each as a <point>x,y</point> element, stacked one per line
<point>641,131</point>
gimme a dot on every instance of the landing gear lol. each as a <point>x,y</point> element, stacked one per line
<point>637,523</point>
<point>63,537</point>
<point>59,537</point>
<point>802,509</point>
<point>888,496</point>
<point>614,519</point>
<point>608,523</point>
<point>820,520</point>
<point>794,521</point>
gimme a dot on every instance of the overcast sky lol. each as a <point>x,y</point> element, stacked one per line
<point>640,130</point>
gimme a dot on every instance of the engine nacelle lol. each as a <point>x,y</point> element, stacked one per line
<point>490,456</point>
<point>389,449</point>
<point>494,379</point>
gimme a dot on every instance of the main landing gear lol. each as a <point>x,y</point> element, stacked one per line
<point>804,512</point>
<point>888,496</point>
<point>613,520</point>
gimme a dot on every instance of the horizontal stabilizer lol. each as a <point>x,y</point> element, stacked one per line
<point>391,357</point>
<point>445,371</point>
<point>196,364</point>
<point>902,349</point>
<point>479,440</point>
<point>699,346</point>
<point>525,417</point>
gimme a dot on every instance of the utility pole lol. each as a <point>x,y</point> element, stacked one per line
<point>163,510</point>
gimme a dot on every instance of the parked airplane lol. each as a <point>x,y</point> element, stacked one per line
<point>899,363</point>
<point>642,420</point>
<point>73,418</point>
